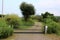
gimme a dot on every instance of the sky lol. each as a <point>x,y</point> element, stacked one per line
<point>41,6</point>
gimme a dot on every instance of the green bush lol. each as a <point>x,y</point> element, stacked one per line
<point>53,27</point>
<point>3,23</point>
<point>47,20</point>
<point>58,29</point>
<point>12,20</point>
<point>5,30</point>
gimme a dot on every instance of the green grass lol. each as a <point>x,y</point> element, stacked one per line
<point>24,27</point>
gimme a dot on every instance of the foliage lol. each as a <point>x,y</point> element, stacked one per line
<point>57,19</point>
<point>36,18</point>
<point>27,10</point>
<point>53,27</point>
<point>3,23</point>
<point>25,25</point>
<point>12,20</point>
<point>47,15</point>
<point>58,29</point>
<point>5,30</point>
<point>47,20</point>
<point>17,22</point>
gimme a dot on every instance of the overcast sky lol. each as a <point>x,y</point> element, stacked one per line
<point>41,6</point>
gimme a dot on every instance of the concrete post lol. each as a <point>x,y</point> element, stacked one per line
<point>45,29</point>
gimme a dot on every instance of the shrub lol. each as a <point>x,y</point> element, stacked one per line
<point>12,20</point>
<point>5,30</point>
<point>3,23</point>
<point>58,29</point>
<point>53,27</point>
<point>47,20</point>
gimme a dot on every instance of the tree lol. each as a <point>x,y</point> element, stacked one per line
<point>27,10</point>
<point>47,15</point>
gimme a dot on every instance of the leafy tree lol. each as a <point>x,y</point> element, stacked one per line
<point>27,10</point>
<point>47,15</point>
<point>51,16</point>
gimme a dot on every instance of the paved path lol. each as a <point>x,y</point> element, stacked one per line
<point>34,37</point>
<point>37,27</point>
